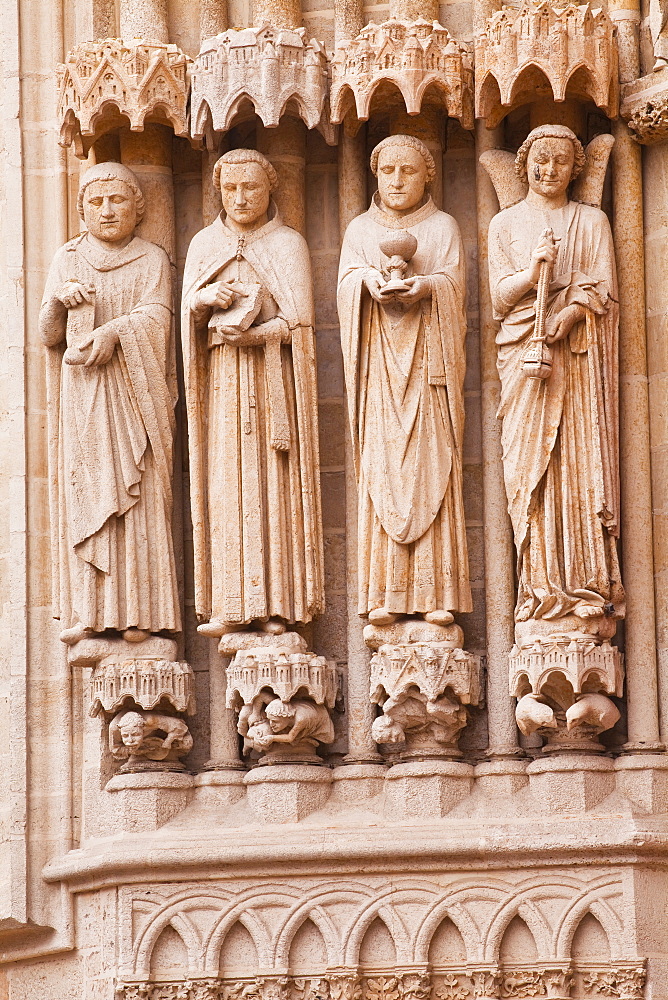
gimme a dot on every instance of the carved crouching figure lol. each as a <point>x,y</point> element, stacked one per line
<point>106,322</point>
<point>284,731</point>
<point>138,737</point>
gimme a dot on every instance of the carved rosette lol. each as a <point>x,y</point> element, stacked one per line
<point>423,688</point>
<point>415,56</point>
<point>562,680</point>
<point>137,79</point>
<point>645,107</point>
<point>266,66</point>
<point>571,47</point>
<point>284,702</point>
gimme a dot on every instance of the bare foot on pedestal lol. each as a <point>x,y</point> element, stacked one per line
<point>274,626</point>
<point>588,611</point>
<point>75,633</point>
<point>215,629</point>
<point>135,634</point>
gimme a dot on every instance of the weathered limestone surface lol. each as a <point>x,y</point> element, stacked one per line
<point>266,763</point>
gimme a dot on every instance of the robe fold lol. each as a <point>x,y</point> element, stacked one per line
<point>404,370</point>
<point>560,435</point>
<point>256,512</point>
<point>111,430</point>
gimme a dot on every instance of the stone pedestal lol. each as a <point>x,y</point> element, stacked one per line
<point>643,780</point>
<point>148,799</point>
<point>426,788</point>
<point>501,777</point>
<point>287,794</point>
<point>357,783</point>
<point>562,672</point>
<point>219,787</point>
<point>422,679</point>
<point>571,784</point>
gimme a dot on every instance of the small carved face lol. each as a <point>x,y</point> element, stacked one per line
<point>550,166</point>
<point>402,177</point>
<point>110,210</point>
<point>244,188</point>
<point>132,733</point>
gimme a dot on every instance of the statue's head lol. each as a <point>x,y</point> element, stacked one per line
<point>110,202</point>
<point>245,179</point>
<point>405,168</point>
<point>279,714</point>
<point>550,157</point>
<point>131,728</point>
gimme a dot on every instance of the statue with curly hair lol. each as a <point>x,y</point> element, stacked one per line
<point>250,380</point>
<point>560,432</point>
<point>403,349</point>
<point>106,320</point>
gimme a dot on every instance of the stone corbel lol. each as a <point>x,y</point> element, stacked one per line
<point>540,49</point>
<point>645,107</point>
<point>412,55</point>
<point>112,78</point>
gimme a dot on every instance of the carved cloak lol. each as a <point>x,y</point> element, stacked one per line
<point>111,431</point>
<point>404,370</point>
<point>560,435</point>
<point>279,258</point>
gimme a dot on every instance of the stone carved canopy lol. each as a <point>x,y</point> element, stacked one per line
<point>137,80</point>
<point>416,57</point>
<point>561,49</point>
<point>264,66</point>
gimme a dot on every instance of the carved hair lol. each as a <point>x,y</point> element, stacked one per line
<point>245,156</point>
<point>278,709</point>
<point>405,140</point>
<point>130,719</point>
<point>550,132</point>
<point>110,171</point>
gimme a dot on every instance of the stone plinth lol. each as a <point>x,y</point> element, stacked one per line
<point>571,47</point>
<point>571,784</point>
<point>426,788</point>
<point>147,800</point>
<point>140,79</point>
<point>411,55</point>
<point>263,65</point>
<point>289,793</point>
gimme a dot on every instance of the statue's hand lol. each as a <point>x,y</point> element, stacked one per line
<point>273,329</point>
<point>74,294</point>
<point>420,289</point>
<point>217,295</point>
<point>373,283</point>
<point>545,251</point>
<point>560,325</point>
<point>103,342</point>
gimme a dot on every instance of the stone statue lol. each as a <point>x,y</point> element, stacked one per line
<point>403,350</point>
<point>554,291</point>
<point>136,735</point>
<point>249,365</point>
<point>560,432</point>
<point>106,321</point>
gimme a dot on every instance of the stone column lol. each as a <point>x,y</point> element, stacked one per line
<point>144,19</point>
<point>278,13</point>
<point>348,20</point>
<point>636,486</point>
<point>412,10</point>
<point>285,146</point>
<point>212,18</point>
<point>361,746</point>
<point>499,551</point>
<point>149,155</point>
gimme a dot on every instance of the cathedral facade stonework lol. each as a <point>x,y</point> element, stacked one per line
<point>333,542</point>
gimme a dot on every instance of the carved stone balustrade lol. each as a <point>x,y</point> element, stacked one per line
<point>284,700</point>
<point>562,681</point>
<point>523,50</point>
<point>423,688</point>
<point>645,107</point>
<point>416,57</point>
<point>267,67</point>
<point>136,79</point>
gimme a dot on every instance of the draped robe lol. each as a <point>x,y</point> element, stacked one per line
<point>111,430</point>
<point>257,524</point>
<point>404,370</point>
<point>560,435</point>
